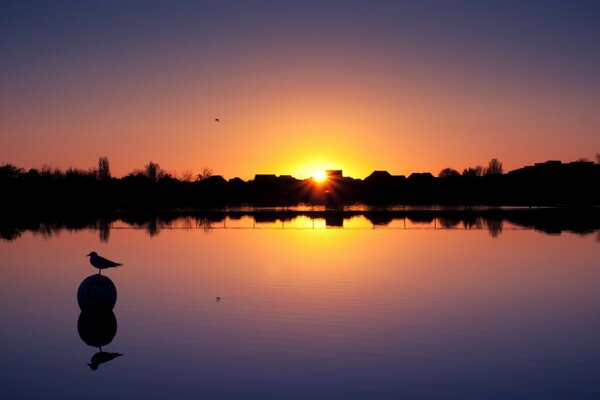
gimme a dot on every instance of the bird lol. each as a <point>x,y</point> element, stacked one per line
<point>101,262</point>
<point>217,120</point>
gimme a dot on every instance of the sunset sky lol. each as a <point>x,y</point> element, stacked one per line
<point>298,86</point>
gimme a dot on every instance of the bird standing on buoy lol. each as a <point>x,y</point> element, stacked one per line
<point>101,262</point>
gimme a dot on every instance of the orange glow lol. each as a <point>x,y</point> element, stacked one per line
<point>319,176</point>
<point>316,115</point>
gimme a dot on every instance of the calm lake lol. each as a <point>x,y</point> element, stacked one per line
<point>304,309</point>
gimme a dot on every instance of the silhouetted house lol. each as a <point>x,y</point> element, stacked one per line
<point>420,176</point>
<point>236,181</point>
<point>420,188</point>
<point>264,185</point>
<point>286,180</point>
<point>269,188</point>
<point>338,189</point>
<point>213,184</point>
<point>378,177</point>
<point>382,187</point>
<point>262,179</point>
<point>236,188</point>
<point>553,182</point>
<point>334,174</point>
<point>554,168</point>
<point>288,186</point>
<point>384,178</point>
<point>214,180</point>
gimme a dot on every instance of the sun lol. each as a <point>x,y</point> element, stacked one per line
<point>319,176</point>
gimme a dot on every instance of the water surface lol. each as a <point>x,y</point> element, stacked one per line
<point>307,310</point>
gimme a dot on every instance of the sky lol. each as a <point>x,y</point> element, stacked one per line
<point>298,86</point>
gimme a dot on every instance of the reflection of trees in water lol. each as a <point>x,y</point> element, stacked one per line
<point>48,231</point>
<point>205,224</point>
<point>104,231</point>
<point>448,223</point>
<point>494,226</point>
<point>552,221</point>
<point>472,222</point>
<point>187,222</point>
<point>10,234</point>
<point>152,227</point>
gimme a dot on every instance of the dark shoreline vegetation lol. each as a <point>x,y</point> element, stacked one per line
<point>49,190</point>
<point>548,220</point>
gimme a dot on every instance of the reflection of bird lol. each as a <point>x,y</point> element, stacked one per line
<point>217,120</point>
<point>101,262</point>
<point>102,357</point>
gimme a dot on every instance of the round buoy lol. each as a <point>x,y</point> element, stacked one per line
<point>97,293</point>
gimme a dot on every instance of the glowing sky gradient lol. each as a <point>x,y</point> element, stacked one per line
<point>354,85</point>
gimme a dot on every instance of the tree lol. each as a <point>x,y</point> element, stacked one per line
<point>103,168</point>
<point>10,171</point>
<point>597,158</point>
<point>206,173</point>
<point>473,171</point>
<point>187,175</point>
<point>494,167</point>
<point>446,172</point>
<point>152,171</point>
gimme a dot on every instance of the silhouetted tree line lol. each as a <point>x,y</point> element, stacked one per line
<point>549,183</point>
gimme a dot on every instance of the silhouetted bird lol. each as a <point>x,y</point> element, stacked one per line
<point>101,262</point>
<point>102,357</point>
<point>217,120</point>
<point>218,298</point>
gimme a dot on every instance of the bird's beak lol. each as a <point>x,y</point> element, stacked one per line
<point>87,255</point>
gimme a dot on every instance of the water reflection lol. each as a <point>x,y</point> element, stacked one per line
<point>97,324</point>
<point>98,329</point>
<point>546,220</point>
<point>277,310</point>
<point>104,230</point>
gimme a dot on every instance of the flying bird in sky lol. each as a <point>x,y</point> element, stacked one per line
<point>217,120</point>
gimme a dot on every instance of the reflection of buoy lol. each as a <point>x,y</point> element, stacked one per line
<point>97,293</point>
<point>97,329</point>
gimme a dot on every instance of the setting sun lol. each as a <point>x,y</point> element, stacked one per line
<point>319,176</point>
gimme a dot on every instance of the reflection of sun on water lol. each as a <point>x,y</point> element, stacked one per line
<point>319,176</point>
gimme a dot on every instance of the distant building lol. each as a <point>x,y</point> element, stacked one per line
<point>265,178</point>
<point>554,168</point>
<point>420,176</point>
<point>378,177</point>
<point>214,180</point>
<point>334,174</point>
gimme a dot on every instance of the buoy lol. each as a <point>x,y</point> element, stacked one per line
<point>97,293</point>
